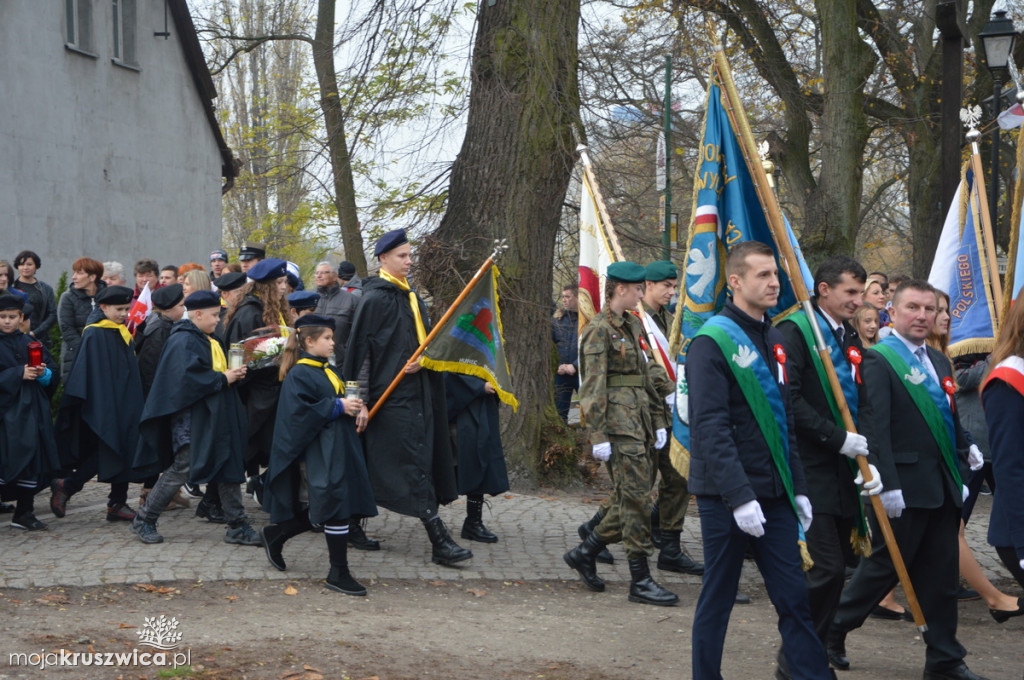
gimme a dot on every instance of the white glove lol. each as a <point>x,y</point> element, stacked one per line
<point>965,492</point>
<point>855,445</point>
<point>803,508</point>
<point>1022,564</point>
<point>750,519</point>
<point>974,458</point>
<point>660,437</point>
<point>872,488</point>
<point>893,503</point>
<point>602,451</point>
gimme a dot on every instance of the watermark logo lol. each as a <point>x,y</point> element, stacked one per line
<point>161,633</point>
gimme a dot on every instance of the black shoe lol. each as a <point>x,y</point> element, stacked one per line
<point>582,558</point>
<point>835,648</point>
<point>257,489</point>
<point>961,672</point>
<point>358,539</point>
<point>192,490</point>
<point>585,529</point>
<point>273,541</point>
<point>242,535</point>
<point>645,589</point>
<point>1002,615</point>
<point>880,612</point>
<point>340,580</point>
<point>120,512</point>
<point>673,558</point>
<point>473,528</point>
<point>6,508</point>
<point>444,550</point>
<point>146,531</point>
<point>742,599</point>
<point>28,522</point>
<point>210,512</point>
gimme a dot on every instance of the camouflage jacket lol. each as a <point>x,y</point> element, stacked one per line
<point>611,354</point>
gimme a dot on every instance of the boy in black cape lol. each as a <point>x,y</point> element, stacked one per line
<point>194,426</point>
<point>98,423</point>
<point>316,456</point>
<point>28,451</point>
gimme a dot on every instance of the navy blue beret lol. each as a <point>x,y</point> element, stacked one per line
<point>166,297</point>
<point>268,270</point>
<point>314,320</point>
<point>230,281</point>
<point>389,241</point>
<point>303,299</point>
<point>202,299</point>
<point>114,295</point>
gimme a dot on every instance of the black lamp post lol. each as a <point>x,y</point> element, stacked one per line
<point>998,37</point>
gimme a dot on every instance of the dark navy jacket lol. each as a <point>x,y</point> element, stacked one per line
<point>729,456</point>
<point>1004,407</point>
<point>564,333</point>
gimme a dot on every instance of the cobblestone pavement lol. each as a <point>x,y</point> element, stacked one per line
<point>83,549</point>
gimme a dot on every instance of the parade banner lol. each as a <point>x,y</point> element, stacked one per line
<point>961,269</point>
<point>1014,279</point>
<point>140,309</point>
<point>596,253</point>
<point>471,341</point>
<point>726,211</point>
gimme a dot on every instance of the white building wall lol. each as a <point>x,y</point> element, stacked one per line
<point>96,159</point>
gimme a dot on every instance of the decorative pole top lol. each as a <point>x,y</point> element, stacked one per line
<point>970,117</point>
<point>766,162</point>
<point>500,246</point>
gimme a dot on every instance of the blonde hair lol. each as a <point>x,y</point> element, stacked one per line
<point>296,344</point>
<point>867,284</point>
<point>858,318</point>
<point>198,279</point>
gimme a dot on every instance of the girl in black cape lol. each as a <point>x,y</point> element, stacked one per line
<point>28,451</point>
<point>317,473</point>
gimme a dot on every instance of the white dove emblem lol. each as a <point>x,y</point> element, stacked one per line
<point>745,357</point>
<point>916,377</point>
<point>704,267</point>
<point>682,398</point>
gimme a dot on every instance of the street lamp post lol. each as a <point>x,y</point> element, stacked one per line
<point>997,37</point>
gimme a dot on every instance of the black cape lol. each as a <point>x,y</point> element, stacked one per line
<point>338,484</point>
<point>408,449</point>
<point>260,389</point>
<point>185,379</point>
<point>28,450</point>
<point>149,343</point>
<point>473,415</point>
<point>102,402</point>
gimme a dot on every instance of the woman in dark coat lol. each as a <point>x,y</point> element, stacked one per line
<point>40,296</point>
<point>76,304</point>
<point>317,472</point>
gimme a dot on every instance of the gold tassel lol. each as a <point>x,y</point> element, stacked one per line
<point>805,556</point>
<point>861,544</point>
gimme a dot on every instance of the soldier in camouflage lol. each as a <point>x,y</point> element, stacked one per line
<point>622,399</point>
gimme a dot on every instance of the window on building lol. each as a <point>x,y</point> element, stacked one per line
<point>78,15</point>
<point>124,31</point>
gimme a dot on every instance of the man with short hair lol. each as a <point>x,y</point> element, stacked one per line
<point>250,254</point>
<point>335,303</point>
<point>917,443</point>
<point>745,467</point>
<point>113,274</point>
<point>168,275</point>
<point>218,260</point>
<point>146,271</point>
<point>565,334</point>
<point>348,279</point>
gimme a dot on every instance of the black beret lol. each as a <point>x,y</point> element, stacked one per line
<point>202,299</point>
<point>166,297</point>
<point>389,241</point>
<point>303,299</point>
<point>314,320</point>
<point>230,281</point>
<point>114,295</point>
<point>9,302</point>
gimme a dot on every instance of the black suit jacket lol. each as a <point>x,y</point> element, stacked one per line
<point>829,479</point>
<point>902,447</point>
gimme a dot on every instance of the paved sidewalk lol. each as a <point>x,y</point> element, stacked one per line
<point>83,549</point>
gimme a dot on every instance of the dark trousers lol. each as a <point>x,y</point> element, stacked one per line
<point>74,482</point>
<point>778,558</point>
<point>828,541</point>
<point>565,385</point>
<point>1012,563</point>
<point>928,542</point>
<point>975,478</point>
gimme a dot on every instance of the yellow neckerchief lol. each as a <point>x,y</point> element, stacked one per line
<point>220,364</point>
<point>107,323</point>
<point>331,375</point>
<point>421,334</point>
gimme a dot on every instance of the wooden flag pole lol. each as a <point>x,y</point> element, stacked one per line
<point>773,214</point>
<point>484,268</point>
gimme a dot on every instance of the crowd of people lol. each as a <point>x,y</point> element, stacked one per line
<point>163,402</point>
<point>774,465</point>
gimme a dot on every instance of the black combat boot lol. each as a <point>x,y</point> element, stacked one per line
<point>275,535</point>
<point>473,528</point>
<point>673,558</point>
<point>445,551</point>
<point>582,558</point>
<point>657,535</point>
<point>587,528</point>
<point>358,539</point>
<point>339,578</point>
<point>645,589</point>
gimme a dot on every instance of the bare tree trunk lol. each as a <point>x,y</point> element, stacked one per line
<point>509,181</point>
<point>334,121</point>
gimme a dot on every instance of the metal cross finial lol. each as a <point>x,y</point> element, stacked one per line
<point>970,117</point>
<point>500,246</point>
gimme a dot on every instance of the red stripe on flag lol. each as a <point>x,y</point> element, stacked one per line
<point>709,218</point>
<point>590,282</point>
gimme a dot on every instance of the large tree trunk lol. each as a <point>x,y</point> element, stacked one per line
<point>334,121</point>
<point>509,181</point>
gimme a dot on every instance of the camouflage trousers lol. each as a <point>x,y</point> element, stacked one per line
<point>628,516</point>
<point>673,493</point>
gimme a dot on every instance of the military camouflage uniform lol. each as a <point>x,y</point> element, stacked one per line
<point>622,399</point>
<point>673,495</point>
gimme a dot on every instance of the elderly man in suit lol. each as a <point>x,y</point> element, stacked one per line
<point>917,443</point>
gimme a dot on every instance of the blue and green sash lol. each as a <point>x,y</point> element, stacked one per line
<point>927,395</point>
<point>763,396</point>
<point>859,537</point>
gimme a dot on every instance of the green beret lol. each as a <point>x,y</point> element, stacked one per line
<point>661,270</point>
<point>626,272</point>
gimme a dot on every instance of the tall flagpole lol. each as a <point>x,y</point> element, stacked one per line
<point>978,186</point>
<point>773,214</point>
